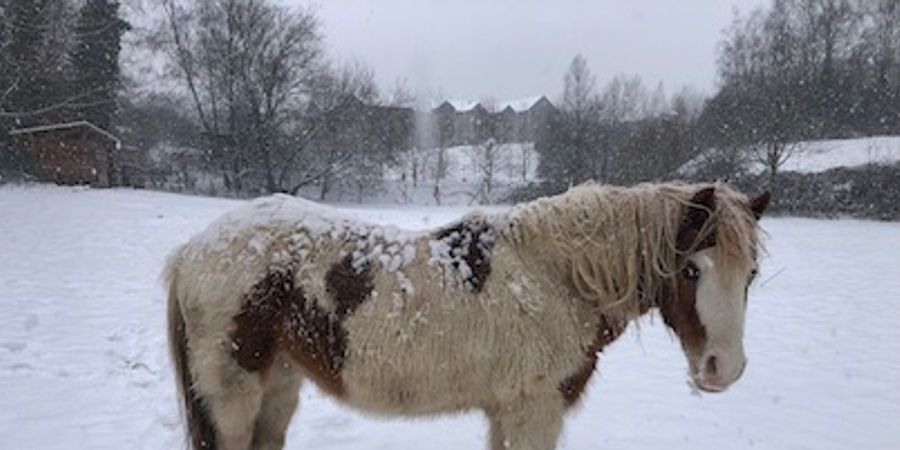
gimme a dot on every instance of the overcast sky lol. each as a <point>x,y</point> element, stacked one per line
<point>509,49</point>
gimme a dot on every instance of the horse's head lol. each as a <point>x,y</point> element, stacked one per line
<point>707,300</point>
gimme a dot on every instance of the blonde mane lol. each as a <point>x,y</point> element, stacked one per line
<point>618,246</point>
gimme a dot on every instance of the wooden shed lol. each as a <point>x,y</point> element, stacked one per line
<point>79,153</point>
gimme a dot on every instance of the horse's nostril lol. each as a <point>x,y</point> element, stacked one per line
<point>711,368</point>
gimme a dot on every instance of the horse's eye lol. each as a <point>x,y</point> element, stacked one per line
<point>691,272</point>
<point>753,274</point>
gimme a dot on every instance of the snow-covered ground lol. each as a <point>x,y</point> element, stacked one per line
<point>819,156</point>
<point>83,361</point>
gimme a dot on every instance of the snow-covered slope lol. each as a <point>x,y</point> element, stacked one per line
<point>83,362</point>
<point>819,156</point>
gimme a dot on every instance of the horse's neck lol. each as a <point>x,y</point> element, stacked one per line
<point>541,254</point>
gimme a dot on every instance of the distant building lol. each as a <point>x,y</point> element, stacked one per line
<point>520,121</point>
<point>80,153</point>
<point>446,125</point>
<point>536,119</point>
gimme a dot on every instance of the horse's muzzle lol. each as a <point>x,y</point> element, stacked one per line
<point>711,381</point>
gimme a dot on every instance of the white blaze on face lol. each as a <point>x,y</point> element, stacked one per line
<point>721,307</point>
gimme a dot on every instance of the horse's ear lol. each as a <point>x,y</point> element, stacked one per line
<point>701,205</point>
<point>759,204</point>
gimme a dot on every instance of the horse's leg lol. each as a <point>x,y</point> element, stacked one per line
<point>278,406</point>
<point>233,396</point>
<point>532,423</point>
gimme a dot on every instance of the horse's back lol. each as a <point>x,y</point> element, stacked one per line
<point>218,266</point>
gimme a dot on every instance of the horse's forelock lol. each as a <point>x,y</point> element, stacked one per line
<point>728,224</point>
<point>736,230</point>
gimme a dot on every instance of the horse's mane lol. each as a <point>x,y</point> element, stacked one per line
<point>619,245</point>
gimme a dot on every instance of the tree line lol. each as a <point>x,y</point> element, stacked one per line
<point>622,133</point>
<point>805,69</point>
<point>254,104</point>
<point>797,70</point>
<point>266,99</point>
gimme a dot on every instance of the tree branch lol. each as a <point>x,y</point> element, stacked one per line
<point>327,170</point>
<point>69,102</point>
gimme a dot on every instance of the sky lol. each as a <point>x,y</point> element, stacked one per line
<point>507,49</point>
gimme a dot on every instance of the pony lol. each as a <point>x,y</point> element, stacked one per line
<point>504,313</point>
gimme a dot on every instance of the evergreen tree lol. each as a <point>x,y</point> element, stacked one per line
<point>31,67</point>
<point>95,60</point>
<point>28,86</point>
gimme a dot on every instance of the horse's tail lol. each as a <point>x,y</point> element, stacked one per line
<point>200,429</point>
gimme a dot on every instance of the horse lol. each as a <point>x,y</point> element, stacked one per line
<point>503,312</point>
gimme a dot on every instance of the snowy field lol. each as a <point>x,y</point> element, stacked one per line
<point>83,361</point>
<point>819,156</point>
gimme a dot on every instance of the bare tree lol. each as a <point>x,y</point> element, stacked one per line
<point>343,101</point>
<point>761,104</point>
<point>625,99</point>
<point>580,89</point>
<point>688,102</point>
<point>246,65</point>
<point>657,103</point>
<point>570,150</point>
<point>487,131</point>
<point>774,154</point>
<point>445,122</point>
<point>402,96</point>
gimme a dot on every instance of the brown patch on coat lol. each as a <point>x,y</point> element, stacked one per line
<point>316,339</point>
<point>348,286</point>
<point>276,315</point>
<point>254,342</point>
<point>573,386</point>
<point>471,241</point>
<point>679,312</point>
<point>678,302</point>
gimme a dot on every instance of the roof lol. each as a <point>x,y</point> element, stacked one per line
<point>520,105</point>
<point>464,105</point>
<point>68,125</point>
<point>445,107</point>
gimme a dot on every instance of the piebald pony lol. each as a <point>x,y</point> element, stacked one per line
<point>505,313</point>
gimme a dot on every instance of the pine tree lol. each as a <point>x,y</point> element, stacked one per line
<point>95,60</point>
<point>28,86</point>
<point>30,33</point>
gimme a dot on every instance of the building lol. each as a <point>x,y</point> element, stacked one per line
<point>471,123</point>
<point>80,153</point>
<point>354,122</point>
